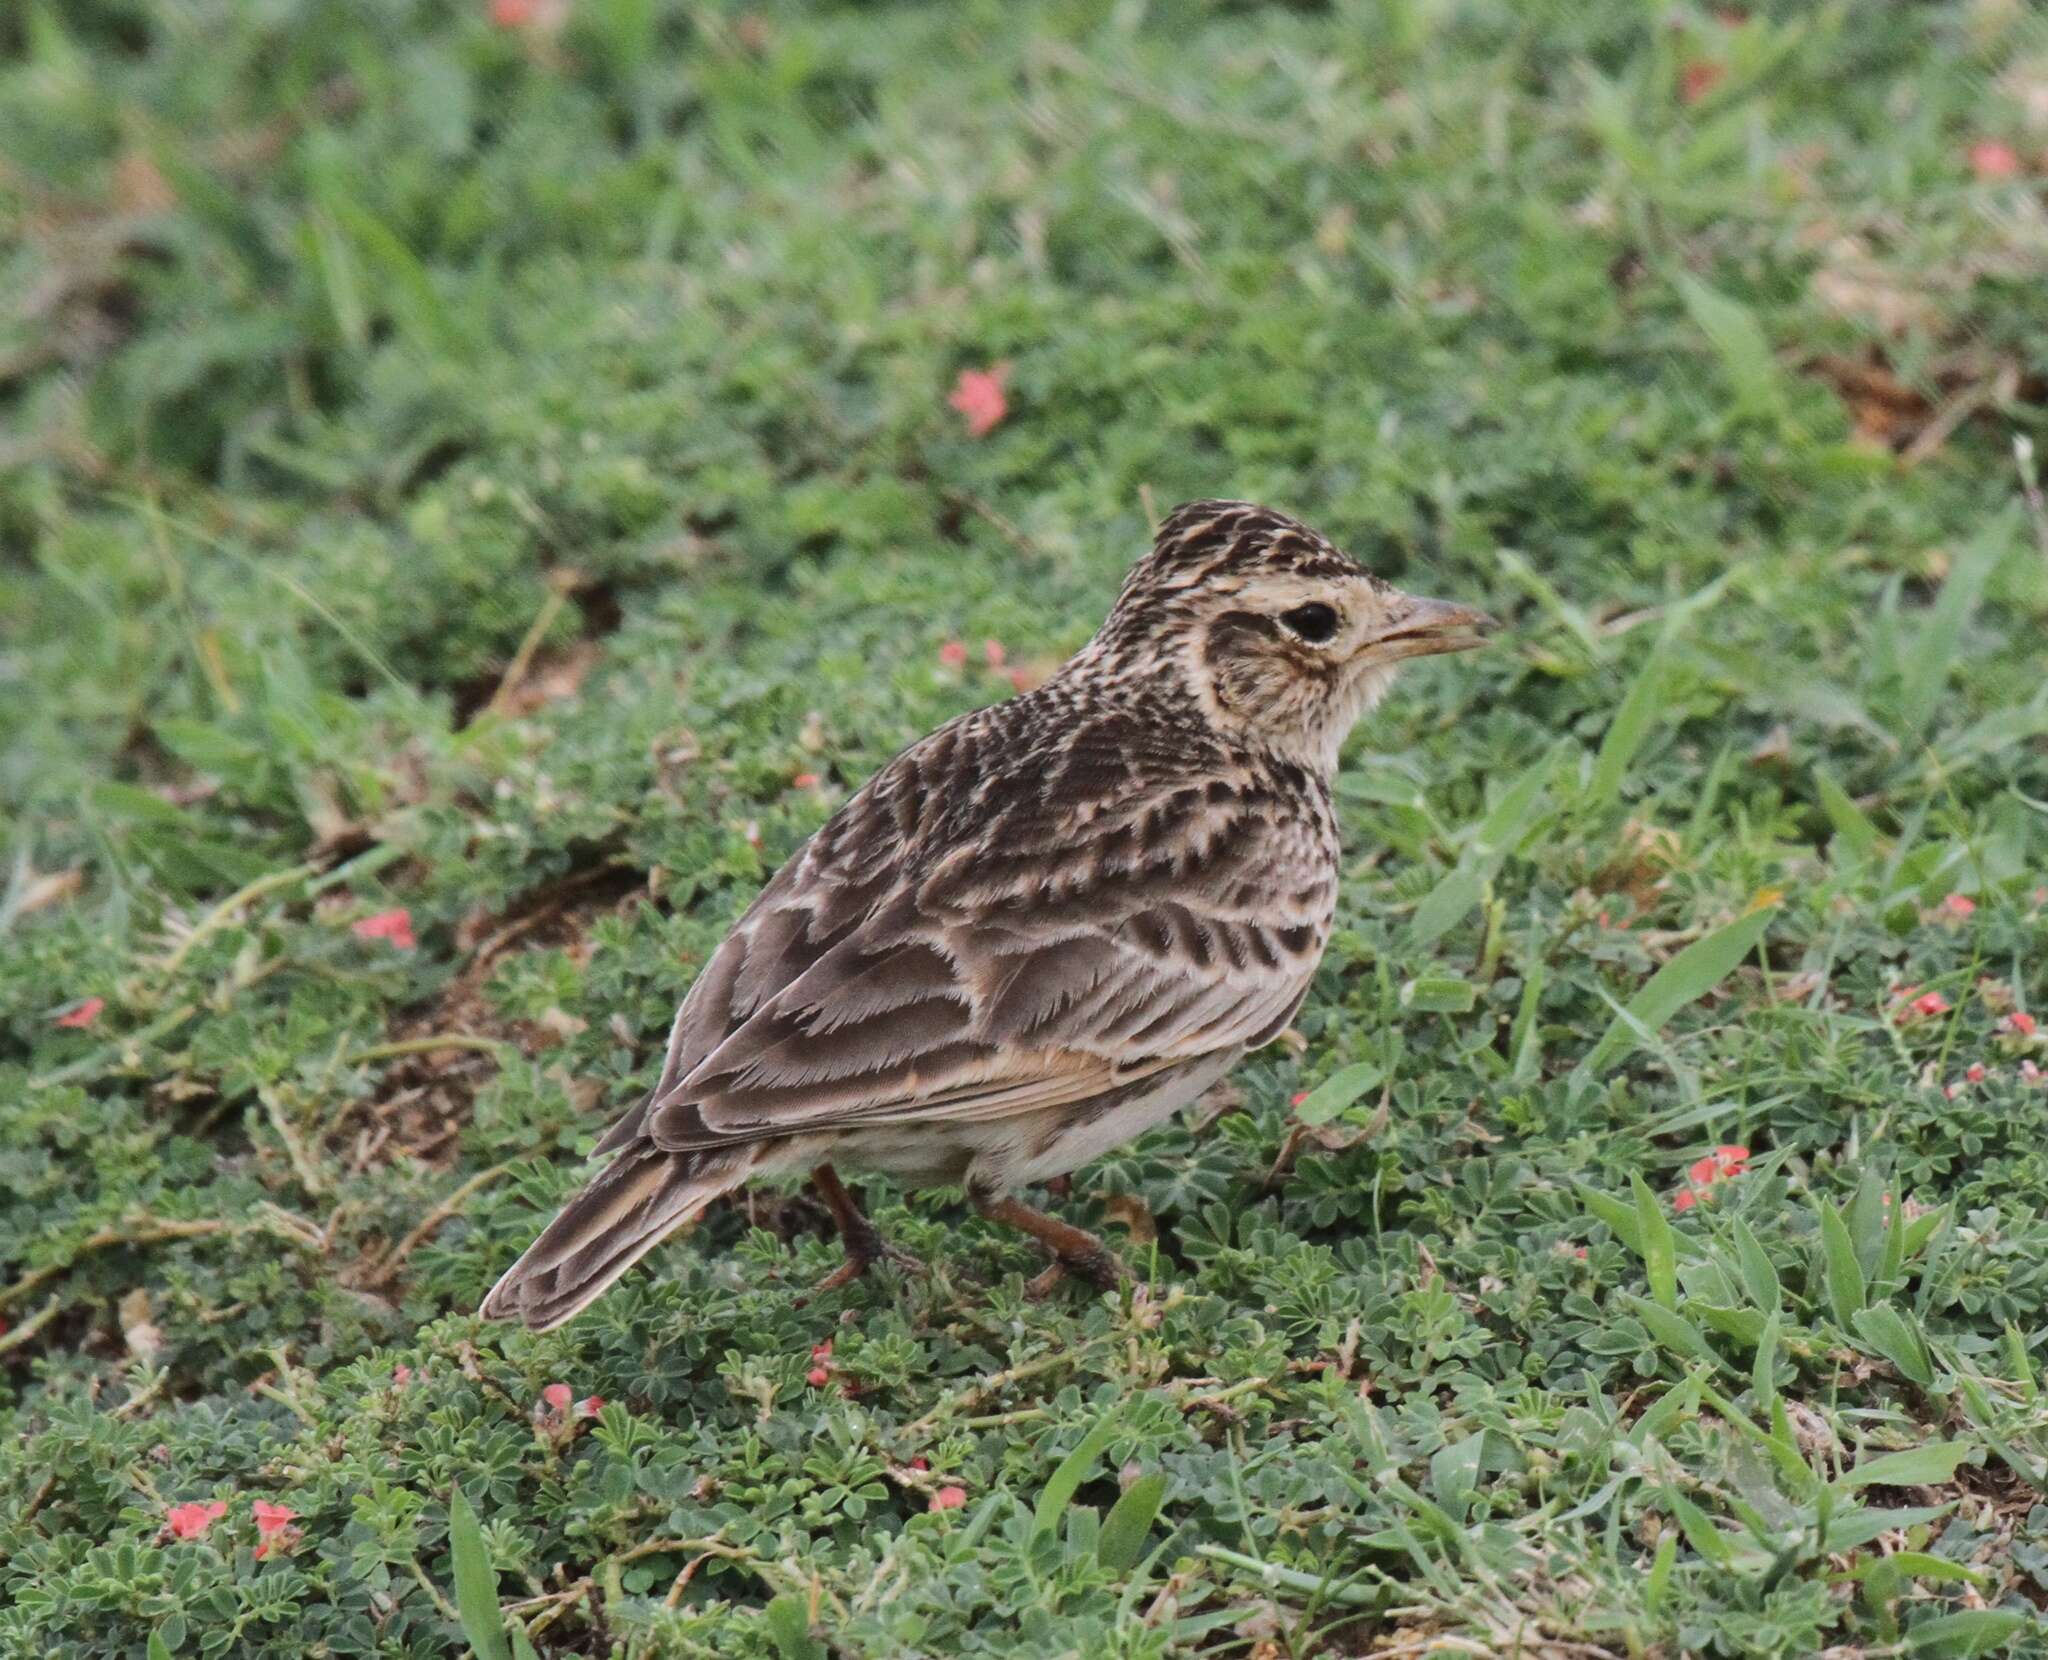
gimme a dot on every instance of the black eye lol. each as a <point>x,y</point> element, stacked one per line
<point>1314,622</point>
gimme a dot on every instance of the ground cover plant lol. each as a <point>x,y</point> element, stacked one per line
<point>480,481</point>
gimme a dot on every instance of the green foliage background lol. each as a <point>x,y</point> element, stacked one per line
<point>480,467</point>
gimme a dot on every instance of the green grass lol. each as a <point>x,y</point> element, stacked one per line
<point>479,470</point>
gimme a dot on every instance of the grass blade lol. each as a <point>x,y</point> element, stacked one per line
<point>1840,1271</point>
<point>1689,976</point>
<point>1926,669</point>
<point>476,1582</point>
<point>1074,1469</point>
<point>1129,1522</point>
<point>1640,707</point>
<point>1926,1466</point>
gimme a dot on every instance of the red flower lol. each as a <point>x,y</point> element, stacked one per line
<point>1919,1005</point>
<point>1991,161</point>
<point>992,651</point>
<point>274,1525</point>
<point>190,1521</point>
<point>590,1406</point>
<point>920,1462</point>
<point>804,781</point>
<point>1699,78</point>
<point>1724,1161</point>
<point>1298,1097</point>
<point>84,1014</point>
<point>270,1518</point>
<point>1959,904</point>
<point>953,654</point>
<point>395,926</point>
<point>401,1377</point>
<point>514,14</point>
<point>1976,1072</point>
<point>948,1498</point>
<point>978,395</point>
<point>820,1373</point>
<point>2019,1023</point>
<point>558,1396</point>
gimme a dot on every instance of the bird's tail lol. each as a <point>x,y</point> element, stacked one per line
<point>626,1210</point>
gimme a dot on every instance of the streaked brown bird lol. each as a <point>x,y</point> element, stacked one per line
<point>1038,932</point>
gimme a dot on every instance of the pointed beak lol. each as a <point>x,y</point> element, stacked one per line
<point>1427,628</point>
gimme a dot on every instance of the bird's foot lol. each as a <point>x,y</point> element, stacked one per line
<point>1101,1268</point>
<point>859,1259</point>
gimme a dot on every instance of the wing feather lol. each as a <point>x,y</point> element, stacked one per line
<point>945,951</point>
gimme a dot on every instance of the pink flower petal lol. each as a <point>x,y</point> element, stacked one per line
<point>2021,1023</point>
<point>948,1498</point>
<point>84,1014</point>
<point>1699,78</point>
<point>190,1521</point>
<point>1684,1199</point>
<point>271,1517</point>
<point>558,1396</point>
<point>804,781</point>
<point>953,654</point>
<point>993,653</point>
<point>1975,1073</point>
<point>1991,161</point>
<point>978,395</point>
<point>1958,904</point>
<point>395,926</point>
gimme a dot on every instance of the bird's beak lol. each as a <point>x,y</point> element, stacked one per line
<point>1419,627</point>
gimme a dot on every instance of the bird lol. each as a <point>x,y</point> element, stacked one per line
<point>1034,934</point>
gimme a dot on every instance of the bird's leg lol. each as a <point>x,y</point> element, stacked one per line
<point>1074,1250</point>
<point>865,1245</point>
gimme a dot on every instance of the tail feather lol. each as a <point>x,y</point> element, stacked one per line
<point>628,1208</point>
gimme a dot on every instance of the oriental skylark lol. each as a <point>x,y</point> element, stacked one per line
<point>1036,933</point>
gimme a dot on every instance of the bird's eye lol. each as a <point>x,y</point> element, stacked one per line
<point>1314,622</point>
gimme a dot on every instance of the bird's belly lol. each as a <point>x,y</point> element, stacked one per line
<point>1010,1152</point>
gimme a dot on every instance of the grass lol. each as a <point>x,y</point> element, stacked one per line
<point>503,472</point>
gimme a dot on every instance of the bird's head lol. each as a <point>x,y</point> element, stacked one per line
<point>1277,634</point>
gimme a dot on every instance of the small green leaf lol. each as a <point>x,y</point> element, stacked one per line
<point>1962,1636</point>
<point>1338,1091</point>
<point>158,1648</point>
<point>1852,825</point>
<point>1459,891</point>
<point>1917,1564</point>
<point>1759,1275</point>
<point>1841,1272</point>
<point>1658,1585</point>
<point>1074,1469</point>
<point>1763,1369</point>
<point>476,1582</point>
<point>1895,1335</point>
<point>1618,1216</point>
<point>1659,1252</point>
<point>1926,1466</point>
<point>1700,1532</point>
<point>1439,994</point>
<point>1738,340</point>
<point>1129,1523</point>
<point>1672,1331</point>
<point>788,1619</point>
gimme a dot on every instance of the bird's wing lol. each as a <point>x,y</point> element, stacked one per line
<point>965,941</point>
